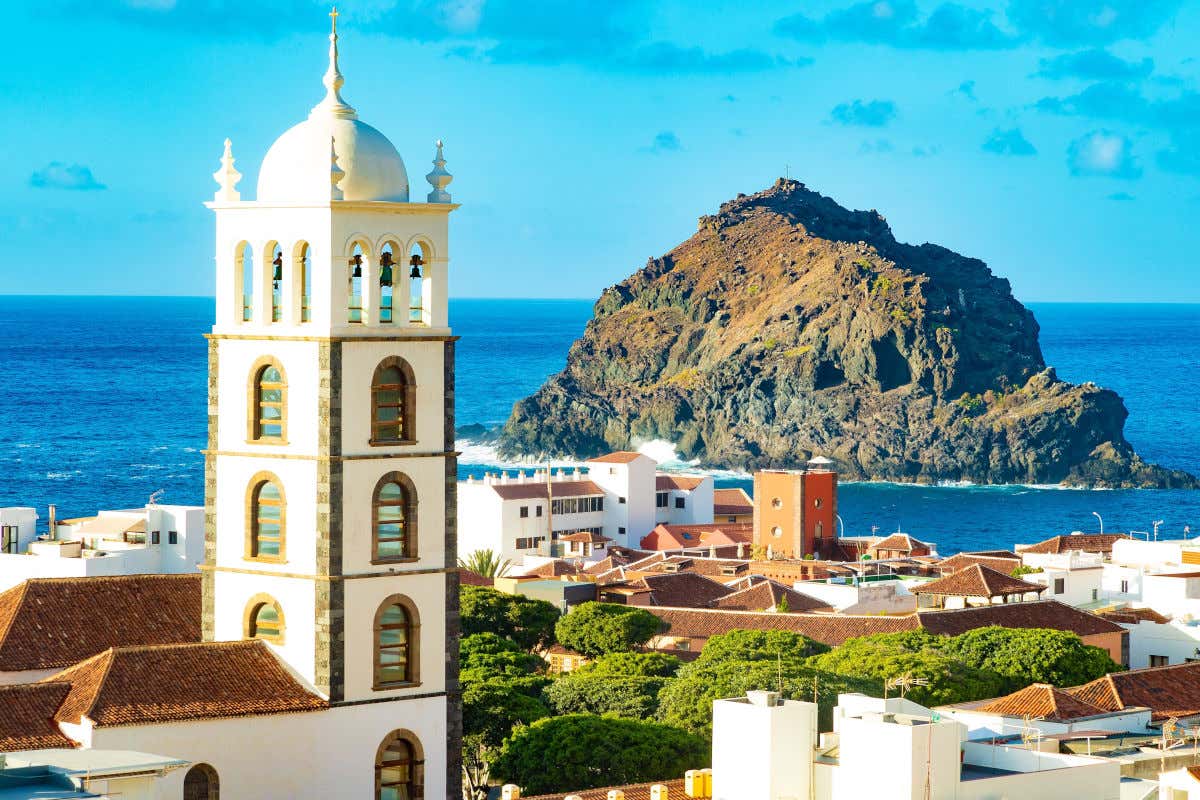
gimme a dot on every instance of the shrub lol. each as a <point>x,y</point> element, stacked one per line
<point>529,623</point>
<point>596,629</point>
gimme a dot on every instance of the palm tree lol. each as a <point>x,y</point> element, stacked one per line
<point>486,563</point>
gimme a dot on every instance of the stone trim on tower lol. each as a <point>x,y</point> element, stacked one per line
<point>208,624</point>
<point>454,729</point>
<point>330,620</point>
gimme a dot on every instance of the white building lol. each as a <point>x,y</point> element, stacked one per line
<point>1072,577</point>
<point>329,560</point>
<point>156,539</point>
<point>18,527</point>
<point>765,748</point>
<point>620,497</point>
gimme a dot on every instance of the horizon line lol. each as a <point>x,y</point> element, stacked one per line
<point>1195,302</point>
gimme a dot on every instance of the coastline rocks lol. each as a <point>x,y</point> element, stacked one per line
<point>788,326</point>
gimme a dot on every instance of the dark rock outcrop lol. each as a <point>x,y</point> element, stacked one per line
<point>789,326</point>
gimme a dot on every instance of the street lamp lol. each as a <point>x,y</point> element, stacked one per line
<point>1156,523</point>
<point>1097,516</point>
<point>841,527</point>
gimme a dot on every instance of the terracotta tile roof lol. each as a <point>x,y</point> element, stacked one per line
<point>731,502</point>
<point>48,623</point>
<point>619,457</point>
<point>977,581</point>
<point>1005,564</point>
<point>164,683</point>
<point>1087,542</point>
<point>555,569</point>
<point>468,578</point>
<point>636,791</point>
<point>831,629</point>
<point>537,490</point>
<point>710,567</point>
<point>1132,616</point>
<point>1172,691</point>
<point>617,557</point>
<point>587,537</point>
<point>766,595</point>
<point>900,541</point>
<point>1041,700</point>
<point>1035,614</point>
<point>27,716</point>
<point>682,590</point>
<point>678,537</point>
<point>684,483</point>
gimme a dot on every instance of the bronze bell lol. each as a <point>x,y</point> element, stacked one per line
<point>416,262</point>
<point>356,262</point>
<point>278,262</point>
<point>385,268</point>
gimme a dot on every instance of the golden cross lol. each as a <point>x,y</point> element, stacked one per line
<point>334,15</point>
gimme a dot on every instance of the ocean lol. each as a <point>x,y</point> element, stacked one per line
<point>104,404</point>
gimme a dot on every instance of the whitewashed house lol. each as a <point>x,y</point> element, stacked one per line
<point>620,496</point>
<point>157,539</point>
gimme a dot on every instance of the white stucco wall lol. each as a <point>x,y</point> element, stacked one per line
<point>1179,641</point>
<point>316,756</point>
<point>759,752</point>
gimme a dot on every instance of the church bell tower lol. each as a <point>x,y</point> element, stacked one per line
<point>330,467</point>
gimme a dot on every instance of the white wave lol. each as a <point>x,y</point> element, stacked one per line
<point>62,476</point>
<point>486,455</point>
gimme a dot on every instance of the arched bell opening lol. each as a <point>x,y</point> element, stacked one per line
<point>243,260</point>
<point>302,280</point>
<point>418,284</point>
<point>274,254</point>
<point>356,271</point>
<point>389,266</point>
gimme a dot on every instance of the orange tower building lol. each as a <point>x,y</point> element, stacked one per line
<point>795,511</point>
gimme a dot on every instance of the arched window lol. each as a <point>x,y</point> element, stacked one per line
<point>303,279</point>
<point>400,768</point>
<point>201,783</point>
<point>418,285</point>
<point>267,519</point>
<point>268,402</point>
<point>354,287</point>
<point>264,619</point>
<point>275,253</point>
<point>393,392</point>
<point>394,515</point>
<point>244,269</point>
<point>396,643</point>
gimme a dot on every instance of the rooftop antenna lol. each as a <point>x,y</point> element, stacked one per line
<point>903,683</point>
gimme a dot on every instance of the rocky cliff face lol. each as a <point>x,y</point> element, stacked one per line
<point>789,326</point>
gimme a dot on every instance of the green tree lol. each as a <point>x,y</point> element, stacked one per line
<point>633,665</point>
<point>490,711</point>
<point>949,679</point>
<point>596,629</point>
<point>486,563</point>
<point>1031,655</point>
<point>489,654</point>
<point>759,646</point>
<point>622,696</point>
<point>528,622</point>
<point>581,751</point>
<point>686,701</point>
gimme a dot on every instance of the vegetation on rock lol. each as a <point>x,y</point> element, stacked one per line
<point>788,326</point>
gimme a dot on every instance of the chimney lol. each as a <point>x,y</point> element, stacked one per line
<point>741,549</point>
<point>53,522</point>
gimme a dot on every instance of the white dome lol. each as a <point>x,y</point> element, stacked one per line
<point>296,168</point>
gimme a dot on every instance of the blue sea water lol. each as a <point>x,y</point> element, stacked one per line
<point>104,403</point>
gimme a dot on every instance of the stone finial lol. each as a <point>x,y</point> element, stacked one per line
<point>439,179</point>
<point>334,80</point>
<point>336,173</point>
<point>227,177</point>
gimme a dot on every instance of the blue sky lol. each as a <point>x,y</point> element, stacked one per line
<point>1058,141</point>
